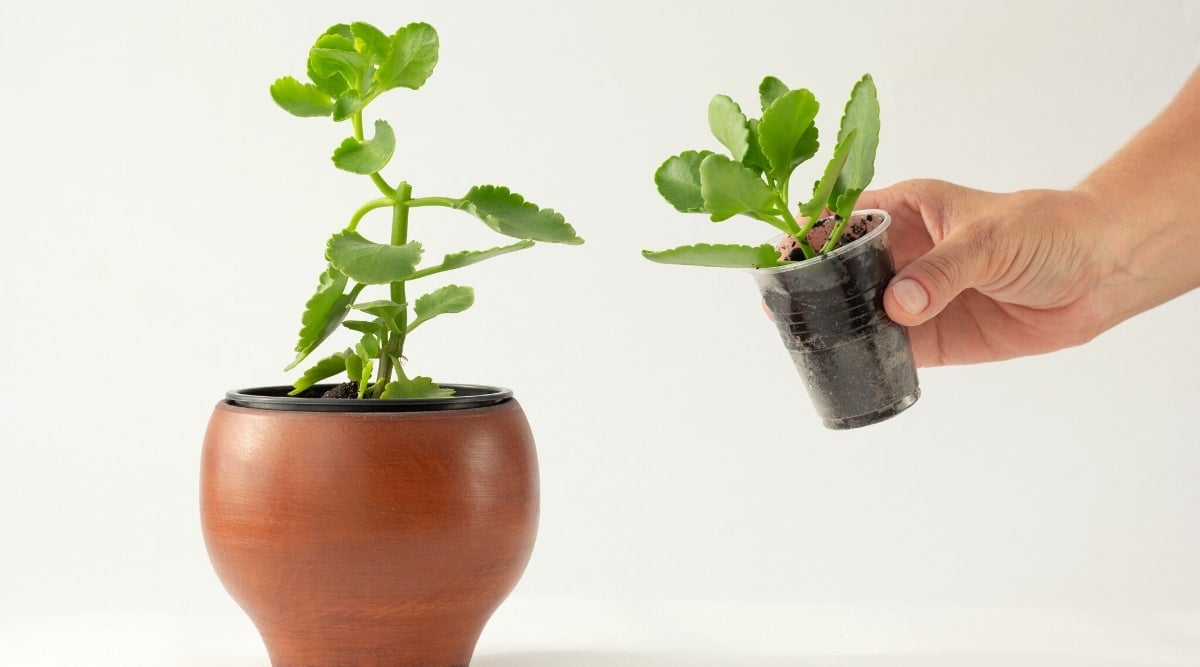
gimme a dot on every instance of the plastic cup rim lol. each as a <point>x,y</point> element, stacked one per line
<point>792,266</point>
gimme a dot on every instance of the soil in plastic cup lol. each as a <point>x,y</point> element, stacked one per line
<point>856,362</point>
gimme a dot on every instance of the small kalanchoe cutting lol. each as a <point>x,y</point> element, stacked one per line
<point>753,179</point>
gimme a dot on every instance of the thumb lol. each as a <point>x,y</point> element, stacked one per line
<point>924,287</point>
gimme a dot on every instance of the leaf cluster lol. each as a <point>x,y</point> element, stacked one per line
<point>753,177</point>
<point>348,67</point>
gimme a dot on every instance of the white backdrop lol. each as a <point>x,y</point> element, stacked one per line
<point>163,223</point>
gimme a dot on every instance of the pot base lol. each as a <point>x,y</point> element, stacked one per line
<point>846,423</point>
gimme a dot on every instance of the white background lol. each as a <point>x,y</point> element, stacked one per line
<point>163,223</point>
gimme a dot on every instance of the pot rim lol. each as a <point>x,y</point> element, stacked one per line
<point>275,398</point>
<point>837,252</point>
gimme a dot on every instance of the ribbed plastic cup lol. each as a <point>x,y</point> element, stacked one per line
<point>856,362</point>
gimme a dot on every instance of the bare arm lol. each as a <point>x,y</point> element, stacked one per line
<point>1151,189</point>
<point>984,276</point>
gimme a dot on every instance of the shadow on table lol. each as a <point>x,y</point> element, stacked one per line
<point>652,659</point>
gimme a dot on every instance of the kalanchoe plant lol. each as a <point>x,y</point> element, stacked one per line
<point>754,178</point>
<point>348,67</point>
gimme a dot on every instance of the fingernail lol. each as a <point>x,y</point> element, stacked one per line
<point>911,296</point>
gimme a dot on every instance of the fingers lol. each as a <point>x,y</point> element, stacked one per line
<point>925,286</point>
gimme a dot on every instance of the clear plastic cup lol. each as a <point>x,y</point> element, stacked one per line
<point>856,362</point>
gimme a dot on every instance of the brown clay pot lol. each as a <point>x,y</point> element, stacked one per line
<point>365,539</point>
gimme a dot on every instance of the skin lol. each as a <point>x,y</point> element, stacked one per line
<point>985,276</point>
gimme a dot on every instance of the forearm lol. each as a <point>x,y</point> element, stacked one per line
<point>1150,195</point>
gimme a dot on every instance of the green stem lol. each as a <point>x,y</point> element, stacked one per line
<point>385,369</point>
<point>394,346</point>
<point>836,236</point>
<point>434,201</point>
<point>382,185</point>
<point>367,208</point>
<point>802,238</point>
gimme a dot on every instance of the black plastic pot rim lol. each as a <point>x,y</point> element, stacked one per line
<point>465,396</point>
<point>836,252</point>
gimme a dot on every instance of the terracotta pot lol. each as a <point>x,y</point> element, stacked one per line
<point>374,538</point>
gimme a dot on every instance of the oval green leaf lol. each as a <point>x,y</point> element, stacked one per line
<point>861,118</point>
<point>370,41</point>
<point>411,58</point>
<point>468,257</point>
<point>367,157</point>
<point>824,188</point>
<point>719,256</point>
<point>418,387</point>
<point>508,213</point>
<point>301,99</point>
<point>325,368</point>
<point>728,125</point>
<point>729,188</point>
<point>441,301</point>
<point>369,262</point>
<point>787,133</point>
<point>389,312</point>
<point>770,90</point>
<point>323,312</point>
<point>678,181</point>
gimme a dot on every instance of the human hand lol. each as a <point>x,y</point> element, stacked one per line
<point>982,276</point>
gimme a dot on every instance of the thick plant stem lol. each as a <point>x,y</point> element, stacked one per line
<point>394,346</point>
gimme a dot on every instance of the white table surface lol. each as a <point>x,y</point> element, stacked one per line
<point>547,632</point>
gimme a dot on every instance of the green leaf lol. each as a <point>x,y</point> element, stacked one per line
<point>410,62</point>
<point>368,347</point>
<point>843,204</point>
<point>301,99</point>
<point>334,84</point>
<point>347,104</point>
<point>367,157</point>
<point>787,133</point>
<point>370,42</point>
<point>389,313</point>
<point>771,89</point>
<point>720,256</point>
<point>678,181</point>
<point>860,118</point>
<point>373,328</point>
<point>508,213</point>
<point>325,368</point>
<point>418,387</point>
<point>468,257</point>
<point>728,125</point>
<point>755,159</point>
<point>323,312</point>
<point>354,367</point>
<point>823,190</point>
<point>333,60</point>
<point>364,378</point>
<point>447,299</point>
<point>369,262</point>
<point>729,188</point>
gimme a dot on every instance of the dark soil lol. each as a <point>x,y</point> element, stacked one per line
<point>858,227</point>
<point>344,390</point>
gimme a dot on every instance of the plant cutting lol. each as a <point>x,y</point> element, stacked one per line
<point>823,279</point>
<point>383,519</point>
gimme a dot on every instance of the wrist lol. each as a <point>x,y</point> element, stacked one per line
<point>1144,249</point>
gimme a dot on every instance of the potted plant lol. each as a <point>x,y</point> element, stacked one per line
<point>823,279</point>
<point>382,520</point>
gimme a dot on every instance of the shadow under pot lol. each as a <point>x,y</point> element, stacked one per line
<point>855,361</point>
<point>367,533</point>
